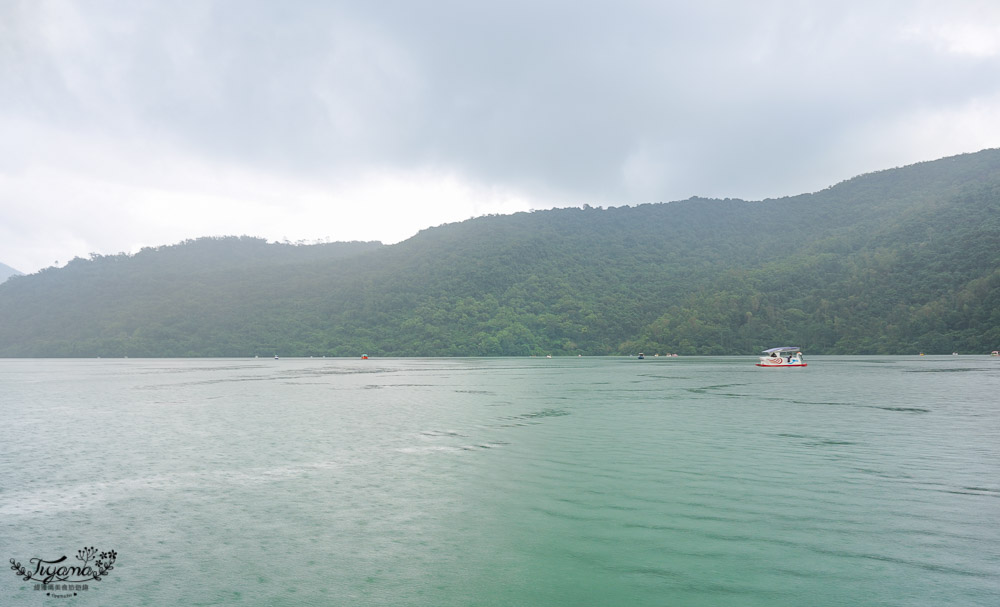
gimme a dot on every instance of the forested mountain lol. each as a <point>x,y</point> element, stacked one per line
<point>7,271</point>
<point>898,261</point>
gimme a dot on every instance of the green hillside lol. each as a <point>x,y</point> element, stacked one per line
<point>898,261</point>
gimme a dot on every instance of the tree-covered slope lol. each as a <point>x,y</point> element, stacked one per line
<point>898,261</point>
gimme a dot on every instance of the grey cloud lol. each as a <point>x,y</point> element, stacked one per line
<point>555,93</point>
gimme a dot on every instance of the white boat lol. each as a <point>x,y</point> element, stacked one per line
<point>785,356</point>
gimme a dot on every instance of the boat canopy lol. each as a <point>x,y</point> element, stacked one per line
<point>783,349</point>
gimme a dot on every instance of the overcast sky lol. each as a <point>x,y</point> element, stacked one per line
<point>136,123</point>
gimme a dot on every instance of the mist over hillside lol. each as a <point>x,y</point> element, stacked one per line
<point>895,262</point>
<point>7,271</point>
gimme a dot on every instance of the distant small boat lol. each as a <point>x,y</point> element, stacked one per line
<point>995,353</point>
<point>641,356</point>
<point>364,357</point>
<point>792,357</point>
<point>275,357</point>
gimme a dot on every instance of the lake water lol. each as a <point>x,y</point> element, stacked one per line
<point>564,481</point>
